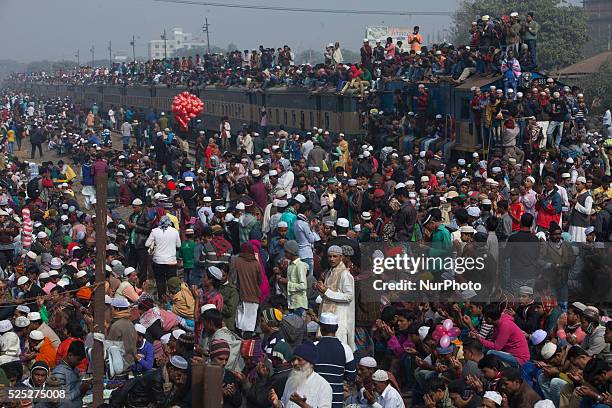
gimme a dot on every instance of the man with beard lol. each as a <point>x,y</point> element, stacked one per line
<point>337,293</point>
<point>548,204</point>
<point>580,216</point>
<point>140,227</point>
<point>556,257</point>
<point>519,393</point>
<point>304,388</point>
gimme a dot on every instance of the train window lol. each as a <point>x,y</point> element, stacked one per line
<point>293,118</point>
<point>312,121</point>
<point>302,120</point>
<point>326,125</point>
<point>285,122</point>
<point>277,116</point>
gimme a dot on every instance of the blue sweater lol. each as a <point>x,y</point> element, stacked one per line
<point>336,364</point>
<point>146,363</point>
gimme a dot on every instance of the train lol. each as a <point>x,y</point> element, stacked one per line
<point>295,109</point>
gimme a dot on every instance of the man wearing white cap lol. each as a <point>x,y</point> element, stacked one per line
<point>167,385</point>
<point>336,362</point>
<point>139,225</point>
<point>36,323</point>
<point>529,196</point>
<point>580,216</point>
<point>127,289</point>
<point>341,239</point>
<point>337,296</point>
<point>122,329</point>
<point>385,395</point>
<point>145,354</point>
<point>42,347</point>
<point>492,399</point>
<point>365,370</point>
<point>9,341</point>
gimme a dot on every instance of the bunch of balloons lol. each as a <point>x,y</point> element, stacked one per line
<point>445,333</point>
<point>186,106</point>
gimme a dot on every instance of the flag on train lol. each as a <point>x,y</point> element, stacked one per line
<point>186,106</point>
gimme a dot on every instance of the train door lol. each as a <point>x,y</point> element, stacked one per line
<point>319,116</point>
<point>340,114</point>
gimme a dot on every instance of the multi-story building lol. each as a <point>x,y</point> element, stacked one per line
<point>176,40</point>
<point>599,14</point>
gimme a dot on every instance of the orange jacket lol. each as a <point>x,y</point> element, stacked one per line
<point>46,353</point>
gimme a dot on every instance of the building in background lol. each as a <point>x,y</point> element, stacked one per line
<point>177,40</point>
<point>599,25</point>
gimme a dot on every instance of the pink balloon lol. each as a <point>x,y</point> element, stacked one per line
<point>454,332</point>
<point>448,324</point>
<point>438,332</point>
<point>445,341</point>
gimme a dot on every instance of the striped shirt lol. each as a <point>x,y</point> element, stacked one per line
<point>336,364</point>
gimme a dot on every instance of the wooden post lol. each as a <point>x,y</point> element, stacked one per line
<point>212,390</point>
<point>99,307</point>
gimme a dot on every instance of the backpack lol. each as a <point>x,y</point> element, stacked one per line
<point>118,398</point>
<point>32,188</point>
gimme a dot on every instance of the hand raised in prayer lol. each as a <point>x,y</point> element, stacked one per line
<point>273,398</point>
<point>369,396</point>
<point>429,402</point>
<point>229,390</point>
<point>475,383</point>
<point>298,399</point>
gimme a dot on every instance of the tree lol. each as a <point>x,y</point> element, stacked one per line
<point>563,29</point>
<point>598,89</point>
<point>232,47</point>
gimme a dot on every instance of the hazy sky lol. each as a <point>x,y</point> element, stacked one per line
<point>44,29</point>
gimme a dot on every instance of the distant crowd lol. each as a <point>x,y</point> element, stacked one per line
<point>506,45</point>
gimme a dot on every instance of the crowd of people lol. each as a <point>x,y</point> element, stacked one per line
<point>505,45</point>
<point>253,252</point>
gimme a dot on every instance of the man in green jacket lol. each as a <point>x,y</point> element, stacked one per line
<point>440,239</point>
<point>530,30</point>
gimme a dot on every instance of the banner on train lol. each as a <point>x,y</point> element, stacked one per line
<point>381,33</point>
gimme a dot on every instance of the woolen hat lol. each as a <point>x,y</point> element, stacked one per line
<point>282,350</point>
<point>251,348</point>
<point>272,316</point>
<point>291,247</point>
<point>307,351</point>
<point>218,348</point>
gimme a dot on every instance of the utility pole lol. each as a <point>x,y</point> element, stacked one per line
<point>110,54</point>
<point>133,44</point>
<point>78,57</point>
<point>206,30</point>
<point>101,181</point>
<point>93,53</point>
<point>164,37</point>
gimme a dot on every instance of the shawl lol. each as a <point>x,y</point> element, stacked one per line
<point>332,281</point>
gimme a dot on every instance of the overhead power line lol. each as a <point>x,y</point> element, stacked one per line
<point>309,10</point>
